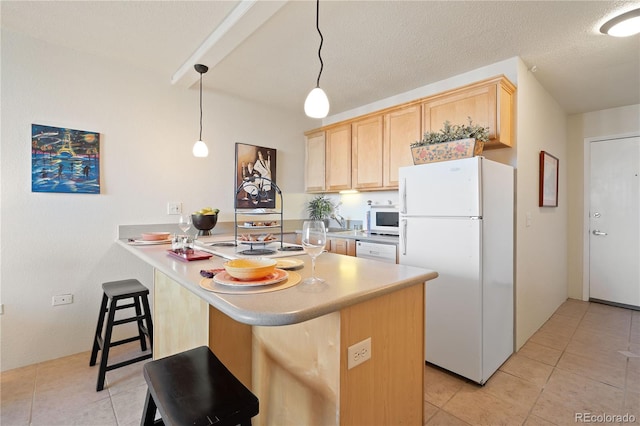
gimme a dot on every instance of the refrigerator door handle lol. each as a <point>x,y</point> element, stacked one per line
<point>403,235</point>
<point>403,196</point>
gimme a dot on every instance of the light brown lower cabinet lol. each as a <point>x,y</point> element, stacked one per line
<point>345,246</point>
<point>299,372</point>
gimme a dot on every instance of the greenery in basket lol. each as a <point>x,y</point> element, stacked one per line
<point>453,132</point>
<point>320,208</point>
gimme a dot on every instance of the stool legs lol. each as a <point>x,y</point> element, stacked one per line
<point>109,306</point>
<point>96,344</point>
<point>149,329</point>
<point>148,418</point>
<point>106,345</point>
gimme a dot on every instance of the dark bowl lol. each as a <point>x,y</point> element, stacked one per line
<point>204,222</point>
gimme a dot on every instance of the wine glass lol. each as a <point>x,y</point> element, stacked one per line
<point>314,237</point>
<point>184,223</point>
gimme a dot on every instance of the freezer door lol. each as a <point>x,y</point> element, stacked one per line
<point>453,301</point>
<point>448,188</point>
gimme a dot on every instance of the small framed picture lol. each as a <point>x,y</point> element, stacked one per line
<point>255,177</point>
<point>548,180</point>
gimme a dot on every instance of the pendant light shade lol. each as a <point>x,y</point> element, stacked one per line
<point>200,148</point>
<point>317,104</point>
<point>624,25</point>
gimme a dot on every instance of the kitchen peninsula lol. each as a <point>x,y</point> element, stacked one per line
<point>290,346</point>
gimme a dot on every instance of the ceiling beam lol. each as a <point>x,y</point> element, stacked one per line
<point>235,28</point>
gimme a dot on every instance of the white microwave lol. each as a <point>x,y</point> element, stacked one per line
<point>384,220</point>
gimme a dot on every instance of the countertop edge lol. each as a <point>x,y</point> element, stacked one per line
<point>274,318</point>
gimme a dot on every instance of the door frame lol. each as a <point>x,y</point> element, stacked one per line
<point>587,204</point>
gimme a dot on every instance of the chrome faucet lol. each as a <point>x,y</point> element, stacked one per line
<point>338,219</point>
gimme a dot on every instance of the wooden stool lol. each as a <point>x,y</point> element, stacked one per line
<point>195,388</point>
<point>114,292</point>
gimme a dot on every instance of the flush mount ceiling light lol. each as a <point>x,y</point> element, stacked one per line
<point>200,148</point>
<point>317,104</point>
<point>623,25</point>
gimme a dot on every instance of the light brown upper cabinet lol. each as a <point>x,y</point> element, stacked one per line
<point>401,128</point>
<point>314,165</point>
<point>338,158</point>
<point>489,103</point>
<point>366,152</point>
<point>366,148</point>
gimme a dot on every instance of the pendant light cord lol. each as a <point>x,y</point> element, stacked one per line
<point>200,107</point>
<point>321,41</point>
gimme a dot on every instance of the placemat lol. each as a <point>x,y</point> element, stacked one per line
<point>210,285</point>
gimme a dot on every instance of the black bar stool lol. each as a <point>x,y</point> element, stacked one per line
<point>114,292</point>
<point>195,388</point>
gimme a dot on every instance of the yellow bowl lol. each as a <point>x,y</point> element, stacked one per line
<point>250,269</point>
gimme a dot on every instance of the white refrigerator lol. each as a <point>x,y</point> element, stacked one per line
<point>456,217</point>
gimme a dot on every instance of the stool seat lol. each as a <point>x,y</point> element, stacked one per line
<point>126,288</point>
<point>113,293</point>
<point>195,388</point>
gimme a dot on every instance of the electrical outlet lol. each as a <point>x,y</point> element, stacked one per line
<point>174,208</point>
<point>358,353</point>
<point>62,299</point>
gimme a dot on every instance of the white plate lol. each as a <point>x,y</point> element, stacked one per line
<point>287,263</point>
<point>150,242</point>
<point>210,285</point>
<point>225,279</point>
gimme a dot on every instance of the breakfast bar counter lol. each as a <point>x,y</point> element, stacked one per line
<point>291,346</point>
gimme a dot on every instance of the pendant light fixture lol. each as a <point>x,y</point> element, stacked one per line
<point>624,25</point>
<point>317,104</point>
<point>200,148</point>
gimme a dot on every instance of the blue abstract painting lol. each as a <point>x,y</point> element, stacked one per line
<point>64,160</point>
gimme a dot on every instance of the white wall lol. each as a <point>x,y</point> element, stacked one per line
<point>541,249</point>
<point>62,243</point>
<point>609,122</point>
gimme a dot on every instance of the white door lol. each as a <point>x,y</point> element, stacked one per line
<point>614,231</point>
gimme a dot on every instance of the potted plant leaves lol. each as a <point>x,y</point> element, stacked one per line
<point>320,208</point>
<point>452,142</point>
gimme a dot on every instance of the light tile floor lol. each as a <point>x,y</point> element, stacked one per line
<point>573,364</point>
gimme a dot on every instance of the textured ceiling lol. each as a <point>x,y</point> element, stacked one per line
<point>372,49</point>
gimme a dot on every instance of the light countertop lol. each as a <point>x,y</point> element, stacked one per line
<point>349,280</point>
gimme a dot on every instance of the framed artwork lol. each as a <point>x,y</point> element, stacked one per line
<point>548,180</point>
<point>64,160</point>
<point>255,173</point>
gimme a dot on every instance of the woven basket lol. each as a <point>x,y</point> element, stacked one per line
<point>454,150</point>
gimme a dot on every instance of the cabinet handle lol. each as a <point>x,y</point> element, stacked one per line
<point>597,232</point>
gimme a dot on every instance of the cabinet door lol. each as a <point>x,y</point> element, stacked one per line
<point>367,153</point>
<point>401,128</point>
<point>489,103</point>
<point>315,163</point>
<point>344,246</point>
<point>338,158</point>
